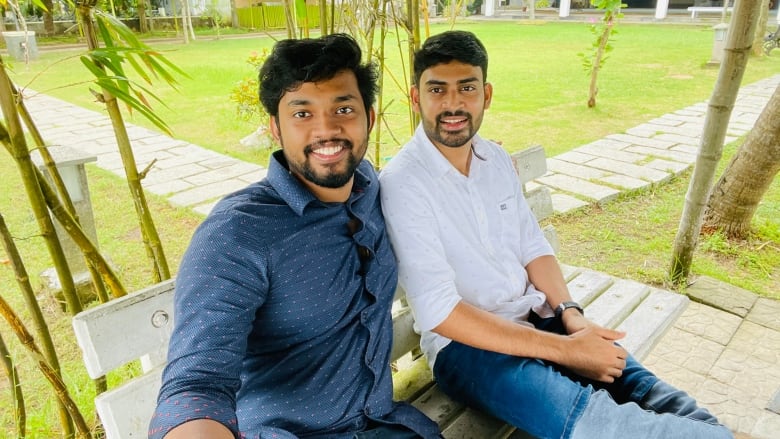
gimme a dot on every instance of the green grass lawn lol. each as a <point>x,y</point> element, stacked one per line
<point>540,98</point>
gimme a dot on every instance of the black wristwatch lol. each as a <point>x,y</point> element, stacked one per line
<point>566,305</point>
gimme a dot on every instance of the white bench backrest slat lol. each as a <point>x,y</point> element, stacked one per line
<point>125,329</point>
<point>125,411</point>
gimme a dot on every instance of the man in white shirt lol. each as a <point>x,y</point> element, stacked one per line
<point>498,325</point>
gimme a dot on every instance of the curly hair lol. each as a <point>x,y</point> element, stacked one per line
<point>455,45</point>
<point>293,62</point>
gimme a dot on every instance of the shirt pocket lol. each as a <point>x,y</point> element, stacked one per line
<point>509,220</point>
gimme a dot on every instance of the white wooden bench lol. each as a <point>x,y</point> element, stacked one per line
<point>707,9</point>
<point>139,325</point>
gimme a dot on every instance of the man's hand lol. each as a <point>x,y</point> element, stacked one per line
<point>593,353</point>
<point>574,321</point>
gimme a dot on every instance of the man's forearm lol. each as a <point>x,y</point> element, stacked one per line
<point>481,329</point>
<point>545,274</point>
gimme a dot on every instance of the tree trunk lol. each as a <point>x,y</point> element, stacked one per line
<point>142,24</point>
<point>748,176</point>
<point>758,37</point>
<point>233,15</point>
<point>48,18</point>
<point>593,88</point>
<point>721,103</point>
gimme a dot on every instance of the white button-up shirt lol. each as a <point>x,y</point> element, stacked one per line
<point>460,238</point>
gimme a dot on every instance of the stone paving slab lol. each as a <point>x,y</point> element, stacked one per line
<point>722,295</point>
<point>766,312</point>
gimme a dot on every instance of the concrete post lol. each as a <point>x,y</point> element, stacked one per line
<point>564,8</point>
<point>70,164</point>
<point>721,30</point>
<point>661,8</point>
<point>490,8</point>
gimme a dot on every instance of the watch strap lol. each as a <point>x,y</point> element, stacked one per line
<point>566,305</point>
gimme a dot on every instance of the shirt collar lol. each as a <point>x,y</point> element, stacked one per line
<point>297,196</point>
<point>438,165</point>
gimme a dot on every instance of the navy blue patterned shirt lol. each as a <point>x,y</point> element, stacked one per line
<point>282,316</point>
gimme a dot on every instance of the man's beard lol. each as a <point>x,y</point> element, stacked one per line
<point>449,138</point>
<point>332,178</point>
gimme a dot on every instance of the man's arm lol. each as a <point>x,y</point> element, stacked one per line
<point>590,352</point>
<point>200,429</point>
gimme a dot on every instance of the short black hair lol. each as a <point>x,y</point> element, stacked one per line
<point>293,62</point>
<point>454,45</point>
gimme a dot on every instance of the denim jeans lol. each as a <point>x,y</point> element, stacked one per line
<point>549,401</point>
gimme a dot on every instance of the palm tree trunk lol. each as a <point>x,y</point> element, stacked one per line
<point>747,177</point>
<point>719,109</point>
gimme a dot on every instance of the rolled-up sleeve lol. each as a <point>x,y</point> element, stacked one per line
<point>217,295</point>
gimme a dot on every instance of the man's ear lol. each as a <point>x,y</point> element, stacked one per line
<point>371,118</point>
<point>414,96</point>
<point>273,127</point>
<point>488,94</point>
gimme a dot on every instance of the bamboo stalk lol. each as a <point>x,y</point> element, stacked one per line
<point>20,415</point>
<point>149,233</point>
<point>16,144</point>
<point>28,294</point>
<point>60,389</point>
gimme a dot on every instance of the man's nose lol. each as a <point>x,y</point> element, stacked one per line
<point>452,101</point>
<point>326,127</point>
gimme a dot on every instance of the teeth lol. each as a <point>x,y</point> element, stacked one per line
<point>329,150</point>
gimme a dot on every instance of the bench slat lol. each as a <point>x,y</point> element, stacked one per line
<point>612,307</point>
<point>126,322</point>
<point>587,285</point>
<point>650,321</point>
<point>125,411</point>
<point>474,425</point>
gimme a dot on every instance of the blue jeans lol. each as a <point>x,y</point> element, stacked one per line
<point>548,401</point>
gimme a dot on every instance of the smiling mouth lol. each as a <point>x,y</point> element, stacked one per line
<point>453,122</point>
<point>328,148</point>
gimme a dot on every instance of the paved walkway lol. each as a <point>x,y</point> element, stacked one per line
<point>725,349</point>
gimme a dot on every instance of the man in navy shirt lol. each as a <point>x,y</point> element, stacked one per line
<point>282,303</point>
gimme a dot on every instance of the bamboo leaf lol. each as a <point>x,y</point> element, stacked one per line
<point>134,104</point>
<point>93,67</point>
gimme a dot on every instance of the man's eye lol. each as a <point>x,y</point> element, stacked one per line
<point>436,90</point>
<point>300,114</point>
<point>468,88</point>
<point>345,110</point>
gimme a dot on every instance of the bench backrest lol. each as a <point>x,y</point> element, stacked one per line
<point>133,327</point>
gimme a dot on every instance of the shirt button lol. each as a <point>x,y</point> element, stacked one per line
<point>368,411</point>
